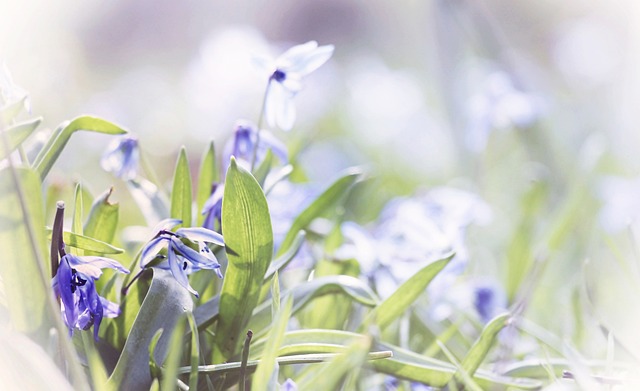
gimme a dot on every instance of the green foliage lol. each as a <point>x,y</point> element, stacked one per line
<point>246,227</point>
<point>181,192</point>
<point>18,133</point>
<point>208,175</point>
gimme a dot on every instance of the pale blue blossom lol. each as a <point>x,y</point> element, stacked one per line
<point>182,259</point>
<point>122,157</point>
<point>285,80</point>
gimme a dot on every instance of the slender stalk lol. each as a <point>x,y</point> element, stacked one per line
<point>260,119</point>
<point>57,243</point>
<point>245,358</point>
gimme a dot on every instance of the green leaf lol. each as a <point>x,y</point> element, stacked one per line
<point>103,219</point>
<point>396,304</point>
<point>87,243</point>
<point>24,241</point>
<point>485,341</point>
<point>195,352</point>
<point>327,202</point>
<point>281,262</point>
<point>208,175</point>
<point>18,133</point>
<point>60,137</point>
<point>181,202</point>
<point>163,306</point>
<point>76,225</point>
<point>265,369</point>
<point>246,227</point>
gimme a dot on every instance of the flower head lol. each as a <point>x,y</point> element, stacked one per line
<point>245,141</point>
<point>285,80</point>
<point>121,158</point>
<point>182,258</point>
<point>74,284</point>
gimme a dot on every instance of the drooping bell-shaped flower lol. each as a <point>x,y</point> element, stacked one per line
<point>74,284</point>
<point>121,158</point>
<point>182,259</point>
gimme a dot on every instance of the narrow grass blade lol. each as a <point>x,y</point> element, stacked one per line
<point>181,201</point>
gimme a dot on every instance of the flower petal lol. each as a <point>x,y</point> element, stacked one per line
<point>192,255</point>
<point>151,250</point>
<point>312,61</point>
<point>296,55</point>
<point>196,234</point>
<point>102,262</point>
<point>63,276</point>
<point>286,112</point>
<point>269,141</point>
<point>179,273</point>
<point>166,224</point>
<point>109,309</point>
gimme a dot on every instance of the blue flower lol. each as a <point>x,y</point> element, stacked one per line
<point>285,81</point>
<point>181,258</point>
<point>289,385</point>
<point>74,284</point>
<point>212,208</point>
<point>245,141</point>
<point>121,158</point>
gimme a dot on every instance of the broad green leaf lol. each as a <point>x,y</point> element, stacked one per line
<point>329,377</point>
<point>396,304</point>
<point>303,293</point>
<point>24,271</point>
<point>152,203</point>
<point>265,369</point>
<point>207,176</point>
<point>261,172</point>
<point>18,133</point>
<point>174,354</point>
<point>103,219</point>
<point>327,202</point>
<point>246,227</point>
<point>87,243</point>
<point>60,137</point>
<point>483,344</point>
<point>181,202</point>
<point>165,302</point>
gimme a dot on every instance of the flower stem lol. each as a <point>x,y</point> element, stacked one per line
<point>245,358</point>
<point>259,125</point>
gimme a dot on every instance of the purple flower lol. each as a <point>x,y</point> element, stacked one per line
<point>212,208</point>
<point>285,81</point>
<point>74,284</point>
<point>121,158</point>
<point>182,259</point>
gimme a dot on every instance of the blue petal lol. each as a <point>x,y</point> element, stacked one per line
<point>200,234</point>
<point>166,224</point>
<point>178,273</point>
<point>151,250</point>
<point>63,277</point>
<point>192,255</point>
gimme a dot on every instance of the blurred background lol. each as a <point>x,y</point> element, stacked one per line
<point>531,105</point>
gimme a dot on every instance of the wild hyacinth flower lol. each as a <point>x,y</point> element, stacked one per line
<point>74,284</point>
<point>181,258</point>
<point>245,143</point>
<point>489,300</point>
<point>122,157</point>
<point>285,80</point>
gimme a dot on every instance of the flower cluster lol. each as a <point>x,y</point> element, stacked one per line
<point>74,284</point>
<point>181,258</point>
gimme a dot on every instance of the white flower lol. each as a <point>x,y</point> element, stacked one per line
<point>285,81</point>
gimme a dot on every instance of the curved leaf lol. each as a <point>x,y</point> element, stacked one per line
<point>207,176</point>
<point>246,227</point>
<point>60,137</point>
<point>327,201</point>
<point>103,219</point>
<point>87,243</point>
<point>165,303</point>
<point>396,304</point>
